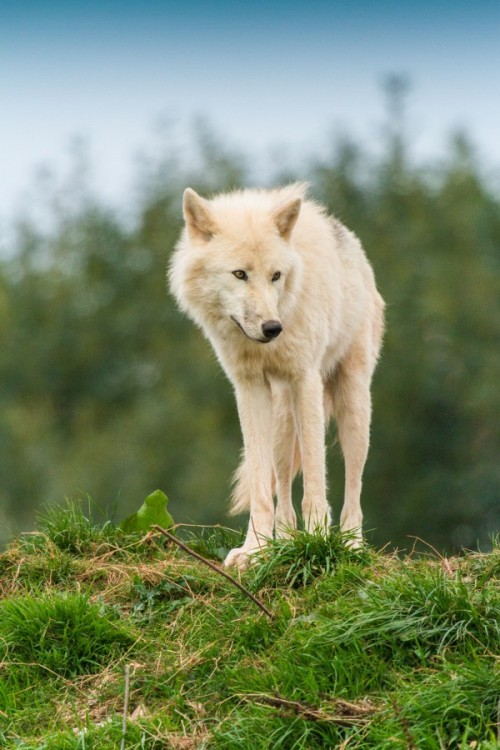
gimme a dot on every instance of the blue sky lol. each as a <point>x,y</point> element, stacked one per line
<point>265,74</point>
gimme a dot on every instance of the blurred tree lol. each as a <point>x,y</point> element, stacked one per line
<point>107,389</point>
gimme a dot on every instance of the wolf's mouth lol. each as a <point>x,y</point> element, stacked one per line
<point>259,340</point>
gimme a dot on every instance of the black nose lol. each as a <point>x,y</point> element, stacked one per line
<point>271,329</point>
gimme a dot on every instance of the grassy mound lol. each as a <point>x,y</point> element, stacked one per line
<point>110,641</point>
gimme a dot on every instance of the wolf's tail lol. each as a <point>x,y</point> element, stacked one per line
<point>240,497</point>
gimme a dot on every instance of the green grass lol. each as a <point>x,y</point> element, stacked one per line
<point>364,649</point>
<point>61,634</point>
<point>72,531</point>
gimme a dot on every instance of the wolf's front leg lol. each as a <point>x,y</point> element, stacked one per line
<point>255,412</point>
<point>309,407</point>
<point>286,457</point>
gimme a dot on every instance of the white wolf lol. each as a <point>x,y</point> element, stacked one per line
<point>288,300</point>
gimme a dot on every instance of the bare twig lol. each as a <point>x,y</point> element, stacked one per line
<point>125,705</point>
<point>347,714</point>
<point>216,568</point>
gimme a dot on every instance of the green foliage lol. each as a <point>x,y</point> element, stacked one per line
<point>152,512</point>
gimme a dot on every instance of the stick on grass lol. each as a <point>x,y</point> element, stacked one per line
<point>212,565</point>
<point>348,714</point>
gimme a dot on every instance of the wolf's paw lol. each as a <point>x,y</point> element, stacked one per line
<point>285,532</point>
<point>355,540</point>
<point>240,557</point>
<point>317,518</point>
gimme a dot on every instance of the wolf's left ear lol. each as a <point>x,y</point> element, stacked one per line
<point>286,216</point>
<point>197,215</point>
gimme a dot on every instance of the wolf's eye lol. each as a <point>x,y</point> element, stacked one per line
<point>240,275</point>
<point>276,275</point>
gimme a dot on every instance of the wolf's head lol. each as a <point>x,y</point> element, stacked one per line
<point>235,265</point>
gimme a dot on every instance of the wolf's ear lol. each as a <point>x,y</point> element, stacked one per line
<point>286,216</point>
<point>199,221</point>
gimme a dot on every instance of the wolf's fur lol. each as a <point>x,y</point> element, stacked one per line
<point>288,382</point>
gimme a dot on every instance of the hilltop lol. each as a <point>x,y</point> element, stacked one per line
<point>101,631</point>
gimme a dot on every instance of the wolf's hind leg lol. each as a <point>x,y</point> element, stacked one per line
<point>352,410</point>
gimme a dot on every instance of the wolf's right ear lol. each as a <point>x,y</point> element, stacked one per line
<point>199,222</point>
